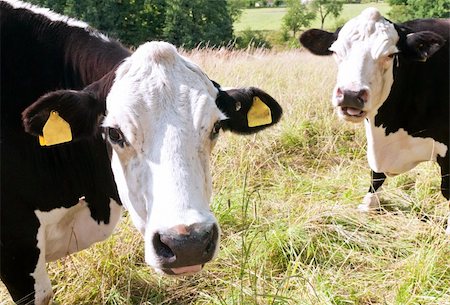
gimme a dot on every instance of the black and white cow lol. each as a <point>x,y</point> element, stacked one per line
<point>114,128</point>
<point>395,78</point>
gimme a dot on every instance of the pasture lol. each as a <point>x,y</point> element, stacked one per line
<point>286,201</point>
<point>270,19</point>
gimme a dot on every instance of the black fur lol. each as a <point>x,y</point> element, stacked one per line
<point>318,41</point>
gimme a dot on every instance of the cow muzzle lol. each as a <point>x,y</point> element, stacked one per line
<point>184,250</point>
<point>350,104</point>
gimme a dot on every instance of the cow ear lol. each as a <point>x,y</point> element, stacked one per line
<point>62,116</point>
<point>248,110</point>
<point>317,41</point>
<point>420,46</point>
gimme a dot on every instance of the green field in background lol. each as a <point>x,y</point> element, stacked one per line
<point>270,19</point>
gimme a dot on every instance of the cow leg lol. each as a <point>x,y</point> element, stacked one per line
<point>25,287</point>
<point>15,274</point>
<point>371,201</point>
<point>444,163</point>
<point>23,268</point>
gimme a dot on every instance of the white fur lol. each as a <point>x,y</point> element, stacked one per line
<point>370,203</point>
<point>43,292</point>
<point>165,107</point>
<point>361,52</point>
<point>64,231</point>
<point>398,152</point>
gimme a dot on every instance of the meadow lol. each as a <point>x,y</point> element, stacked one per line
<point>270,19</point>
<point>286,201</point>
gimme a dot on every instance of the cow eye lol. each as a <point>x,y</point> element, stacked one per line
<point>115,135</point>
<point>392,55</point>
<point>216,129</point>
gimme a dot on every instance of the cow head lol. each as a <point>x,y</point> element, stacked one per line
<point>365,49</point>
<point>162,116</point>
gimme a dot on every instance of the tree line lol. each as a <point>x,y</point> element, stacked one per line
<point>189,23</point>
<point>185,23</point>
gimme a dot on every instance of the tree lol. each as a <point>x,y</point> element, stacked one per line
<point>403,10</point>
<point>182,22</point>
<point>131,21</point>
<point>297,16</point>
<point>190,22</point>
<point>235,8</point>
<point>327,7</point>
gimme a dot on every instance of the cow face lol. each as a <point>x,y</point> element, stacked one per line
<point>365,50</point>
<point>162,116</point>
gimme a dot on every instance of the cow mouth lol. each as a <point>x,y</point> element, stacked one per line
<point>183,271</point>
<point>352,113</point>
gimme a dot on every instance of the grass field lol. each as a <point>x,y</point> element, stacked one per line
<point>286,202</point>
<point>270,19</point>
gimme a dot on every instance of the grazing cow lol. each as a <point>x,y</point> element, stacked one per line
<point>395,78</point>
<point>87,126</point>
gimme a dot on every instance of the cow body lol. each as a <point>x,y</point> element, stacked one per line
<point>142,126</point>
<point>395,78</point>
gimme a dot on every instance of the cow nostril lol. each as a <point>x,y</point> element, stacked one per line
<point>339,95</point>
<point>211,244</point>
<point>363,96</point>
<point>182,246</point>
<point>213,237</point>
<point>162,249</point>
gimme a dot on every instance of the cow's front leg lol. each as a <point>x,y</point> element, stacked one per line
<point>23,271</point>
<point>371,201</point>
<point>43,292</point>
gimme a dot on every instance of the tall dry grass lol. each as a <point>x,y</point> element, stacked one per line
<point>286,201</point>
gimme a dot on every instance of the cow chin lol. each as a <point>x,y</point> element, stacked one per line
<point>181,271</point>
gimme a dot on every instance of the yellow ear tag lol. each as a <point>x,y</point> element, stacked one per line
<point>55,131</point>
<point>259,114</point>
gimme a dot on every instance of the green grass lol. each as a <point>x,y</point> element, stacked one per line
<point>270,19</point>
<point>286,201</point>
<point>265,19</point>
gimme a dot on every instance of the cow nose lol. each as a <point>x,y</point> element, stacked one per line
<point>352,99</point>
<point>182,246</point>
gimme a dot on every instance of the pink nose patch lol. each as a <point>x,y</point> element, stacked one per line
<point>187,270</point>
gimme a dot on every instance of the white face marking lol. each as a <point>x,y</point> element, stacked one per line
<point>363,52</point>
<point>399,152</point>
<point>56,17</point>
<point>165,108</point>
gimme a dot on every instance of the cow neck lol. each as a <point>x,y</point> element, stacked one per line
<point>90,56</point>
